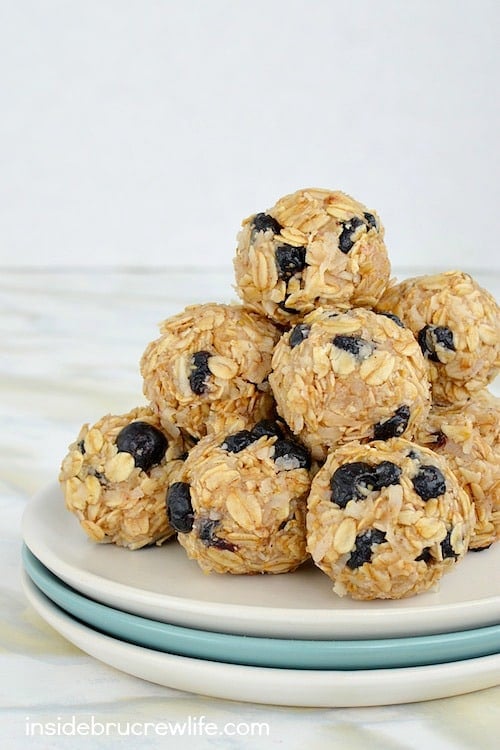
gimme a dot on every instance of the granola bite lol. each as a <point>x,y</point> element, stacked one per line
<point>115,478</point>
<point>314,247</point>
<point>348,376</point>
<point>387,520</point>
<point>484,410</point>
<point>453,434</point>
<point>457,324</point>
<point>239,505</point>
<point>208,370</point>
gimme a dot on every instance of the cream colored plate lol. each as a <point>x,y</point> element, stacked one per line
<point>285,687</point>
<point>160,583</point>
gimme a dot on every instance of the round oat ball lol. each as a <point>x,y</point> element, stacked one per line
<point>457,324</point>
<point>209,369</point>
<point>483,407</point>
<point>348,376</point>
<point>386,520</point>
<point>239,506</point>
<point>453,434</point>
<point>314,247</point>
<point>115,476</point>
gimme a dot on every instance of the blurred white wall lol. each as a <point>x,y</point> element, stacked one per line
<point>141,132</point>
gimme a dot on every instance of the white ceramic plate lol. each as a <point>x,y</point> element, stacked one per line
<point>285,687</point>
<point>161,583</point>
<point>380,653</point>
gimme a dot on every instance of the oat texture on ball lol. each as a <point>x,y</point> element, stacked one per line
<point>314,247</point>
<point>239,505</point>
<point>457,325</point>
<point>115,476</point>
<point>387,520</point>
<point>453,434</point>
<point>347,376</point>
<point>209,369</point>
<point>483,408</point>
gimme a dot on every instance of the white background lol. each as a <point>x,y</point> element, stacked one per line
<point>141,132</point>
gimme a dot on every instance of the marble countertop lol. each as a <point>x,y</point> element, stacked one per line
<point>71,342</point>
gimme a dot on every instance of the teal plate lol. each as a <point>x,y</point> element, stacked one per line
<point>263,652</point>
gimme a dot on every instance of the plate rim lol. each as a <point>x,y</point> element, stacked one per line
<point>263,651</point>
<point>262,685</point>
<point>322,623</point>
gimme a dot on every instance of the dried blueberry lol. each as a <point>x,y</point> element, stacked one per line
<point>238,441</point>
<point>446,548</point>
<point>345,238</point>
<point>179,509</point>
<point>299,334</point>
<point>206,531</point>
<point>480,549</point>
<point>385,474</point>
<point>349,482</point>
<point>425,556</point>
<point>358,347</point>
<point>433,338</point>
<point>145,443</point>
<point>262,222</point>
<point>290,455</point>
<point>371,220</point>
<point>287,453</point>
<point>429,482</point>
<point>267,427</point>
<point>289,310</point>
<point>394,426</point>
<point>394,318</point>
<point>207,535</point>
<point>290,260</point>
<point>81,447</point>
<point>363,550</point>
<point>355,480</point>
<point>200,373</point>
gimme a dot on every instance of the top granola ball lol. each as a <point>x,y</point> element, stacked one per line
<point>208,370</point>
<point>457,324</point>
<point>314,247</point>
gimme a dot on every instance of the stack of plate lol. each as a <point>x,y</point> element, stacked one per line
<point>285,640</point>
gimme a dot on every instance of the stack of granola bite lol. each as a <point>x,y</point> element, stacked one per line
<point>334,414</point>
